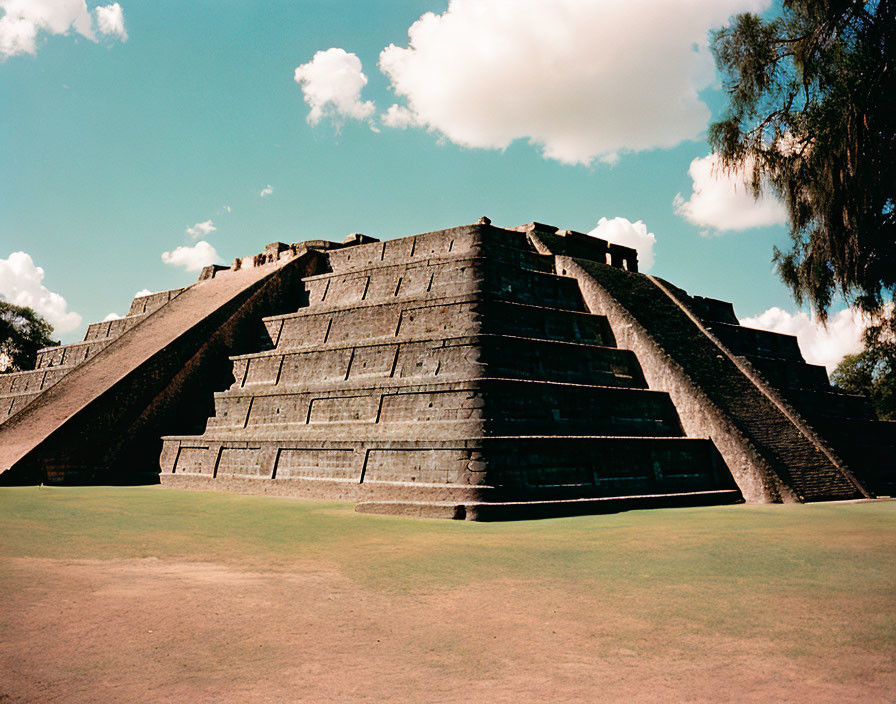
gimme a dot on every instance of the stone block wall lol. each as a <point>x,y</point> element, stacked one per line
<point>454,365</point>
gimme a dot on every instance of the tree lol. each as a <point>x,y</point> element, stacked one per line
<point>872,372</point>
<point>22,333</point>
<point>812,116</point>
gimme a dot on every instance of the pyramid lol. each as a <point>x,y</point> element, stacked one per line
<point>474,372</point>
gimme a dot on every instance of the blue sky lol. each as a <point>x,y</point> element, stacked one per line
<point>124,125</point>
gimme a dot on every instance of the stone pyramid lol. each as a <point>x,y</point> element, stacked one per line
<point>474,372</point>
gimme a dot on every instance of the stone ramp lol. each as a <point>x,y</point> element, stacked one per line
<point>18,389</point>
<point>771,451</point>
<point>114,406</point>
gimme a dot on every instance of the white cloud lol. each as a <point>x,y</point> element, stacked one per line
<point>23,20</point>
<point>266,191</point>
<point>400,117</point>
<point>628,233</point>
<point>110,20</point>
<point>722,201</point>
<point>142,292</point>
<point>201,229</point>
<point>192,258</point>
<point>819,345</point>
<point>584,79</point>
<point>21,283</point>
<point>332,83</point>
<point>111,316</point>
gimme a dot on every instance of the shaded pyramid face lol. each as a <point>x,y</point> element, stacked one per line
<point>451,366</point>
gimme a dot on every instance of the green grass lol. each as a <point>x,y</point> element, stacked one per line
<point>824,565</point>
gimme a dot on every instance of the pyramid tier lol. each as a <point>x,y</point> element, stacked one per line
<point>393,407</point>
<point>789,374</point>
<point>485,469</point>
<point>440,359</point>
<point>437,318</point>
<point>18,389</point>
<point>433,278</point>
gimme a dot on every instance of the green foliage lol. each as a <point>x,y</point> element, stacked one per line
<point>872,372</point>
<point>22,333</point>
<point>812,116</point>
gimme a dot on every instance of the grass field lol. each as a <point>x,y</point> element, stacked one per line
<point>146,594</point>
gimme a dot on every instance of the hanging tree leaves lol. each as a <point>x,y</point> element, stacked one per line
<point>812,116</point>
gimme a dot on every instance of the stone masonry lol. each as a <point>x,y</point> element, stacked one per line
<point>18,389</point>
<point>474,372</point>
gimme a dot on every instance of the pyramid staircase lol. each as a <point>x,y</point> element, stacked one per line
<point>18,389</point>
<point>137,378</point>
<point>450,373</point>
<point>846,421</point>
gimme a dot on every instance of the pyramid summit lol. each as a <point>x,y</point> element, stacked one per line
<point>475,372</point>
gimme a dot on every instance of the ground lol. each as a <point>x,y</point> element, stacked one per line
<point>147,594</point>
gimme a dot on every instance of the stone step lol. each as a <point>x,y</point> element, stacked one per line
<point>505,406</point>
<point>829,404</point>
<point>531,510</point>
<point>426,279</point>
<point>151,302</point>
<point>498,468</point>
<point>789,374</point>
<point>437,359</point>
<point>11,404</point>
<point>441,243</point>
<point>31,381</point>
<point>70,355</point>
<point>112,328</point>
<point>761,343</point>
<point>440,318</point>
<point>869,447</point>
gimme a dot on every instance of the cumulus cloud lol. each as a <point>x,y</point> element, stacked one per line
<point>819,345</point>
<point>266,191</point>
<point>332,83</point>
<point>21,283</point>
<point>110,20</point>
<point>584,79</point>
<point>628,233</point>
<point>192,258</point>
<point>142,292</point>
<point>23,20</point>
<point>400,117</point>
<point>111,316</point>
<point>723,202</point>
<point>201,229</point>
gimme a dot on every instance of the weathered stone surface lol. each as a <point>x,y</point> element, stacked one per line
<point>455,365</point>
<point>108,413</point>
<point>18,389</point>
<point>475,372</point>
